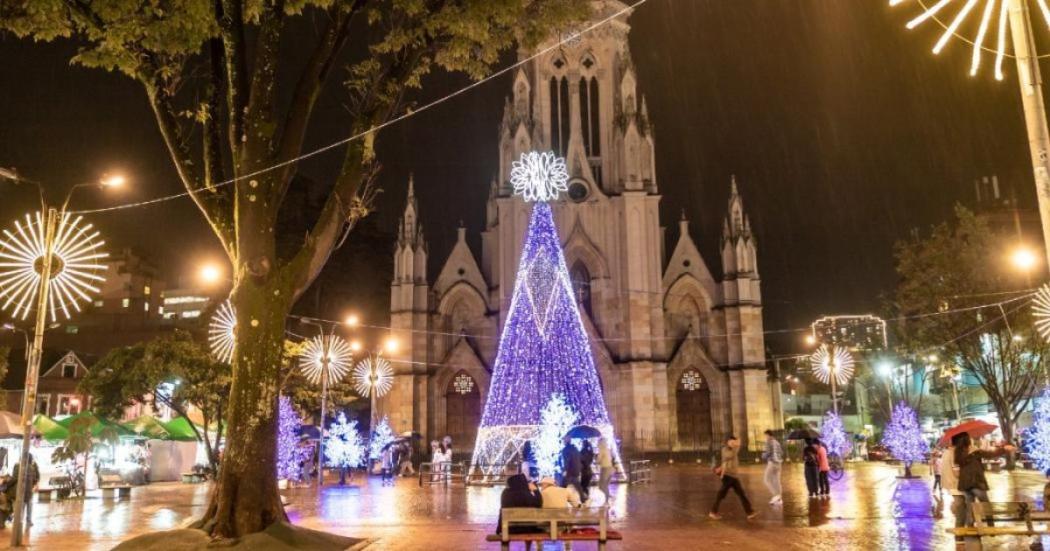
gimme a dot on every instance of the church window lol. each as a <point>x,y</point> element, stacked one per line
<point>463,383</point>
<point>578,191</point>
<point>559,95</point>
<point>581,285</point>
<point>589,121</point>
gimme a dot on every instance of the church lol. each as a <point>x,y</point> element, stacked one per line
<point>680,354</point>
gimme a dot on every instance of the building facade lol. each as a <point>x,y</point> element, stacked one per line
<point>680,354</point>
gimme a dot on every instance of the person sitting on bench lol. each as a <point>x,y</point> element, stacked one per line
<point>519,493</point>
<point>556,497</point>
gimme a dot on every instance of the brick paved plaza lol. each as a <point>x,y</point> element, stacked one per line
<point>869,509</point>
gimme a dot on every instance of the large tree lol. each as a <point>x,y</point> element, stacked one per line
<point>175,372</point>
<point>961,299</point>
<point>209,69</point>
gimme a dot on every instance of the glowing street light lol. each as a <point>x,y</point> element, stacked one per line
<point>209,274</point>
<point>832,365</point>
<point>391,345</point>
<point>352,320</point>
<point>113,181</point>
<point>811,340</point>
<point>1003,17</point>
<point>326,360</point>
<point>1024,258</point>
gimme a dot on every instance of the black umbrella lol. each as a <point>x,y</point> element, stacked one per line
<point>802,434</point>
<point>584,432</point>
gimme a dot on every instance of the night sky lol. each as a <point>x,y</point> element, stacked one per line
<point>843,130</point>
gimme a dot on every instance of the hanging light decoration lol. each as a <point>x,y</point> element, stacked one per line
<point>994,16</point>
<point>76,265</point>
<point>221,331</point>
<point>334,367</point>
<point>832,361</point>
<point>373,374</point>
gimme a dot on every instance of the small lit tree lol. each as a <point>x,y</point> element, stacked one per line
<point>381,436</point>
<point>903,437</point>
<point>1037,437</point>
<point>290,454</point>
<point>833,435</point>
<point>556,418</point>
<point>344,446</point>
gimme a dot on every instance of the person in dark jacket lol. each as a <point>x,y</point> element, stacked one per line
<point>972,482</point>
<point>811,469</point>
<point>586,469</point>
<point>519,493</point>
<point>571,467</point>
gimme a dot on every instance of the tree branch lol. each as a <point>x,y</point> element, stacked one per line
<point>260,127</point>
<point>230,17</point>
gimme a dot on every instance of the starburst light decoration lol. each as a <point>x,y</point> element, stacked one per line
<point>76,265</point>
<point>832,360</point>
<point>373,374</point>
<point>539,176</point>
<point>338,363</point>
<point>1041,310</point>
<point>221,331</point>
<point>993,18</point>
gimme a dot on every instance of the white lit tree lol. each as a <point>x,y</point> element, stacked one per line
<point>833,435</point>
<point>381,436</point>
<point>903,436</point>
<point>1037,437</point>
<point>556,418</point>
<point>344,446</point>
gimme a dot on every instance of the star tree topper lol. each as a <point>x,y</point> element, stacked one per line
<point>539,176</point>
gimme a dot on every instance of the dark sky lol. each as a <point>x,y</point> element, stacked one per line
<point>843,130</point>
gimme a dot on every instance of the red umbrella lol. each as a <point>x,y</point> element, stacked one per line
<point>976,429</point>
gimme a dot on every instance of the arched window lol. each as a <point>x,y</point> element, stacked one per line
<point>462,411</point>
<point>581,285</point>
<point>589,121</point>
<point>693,398</point>
<point>559,95</point>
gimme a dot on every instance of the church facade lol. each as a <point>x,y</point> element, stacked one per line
<point>680,354</point>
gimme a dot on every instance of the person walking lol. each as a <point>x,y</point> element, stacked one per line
<point>727,470</point>
<point>586,469</point>
<point>405,460</point>
<point>774,458</point>
<point>823,484</point>
<point>810,467</point>
<point>605,467</point>
<point>32,479</point>
<point>950,480</point>
<point>935,468</point>
<point>571,467</point>
<point>972,482</point>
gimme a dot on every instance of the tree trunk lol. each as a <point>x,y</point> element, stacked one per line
<point>1007,426</point>
<point>245,499</point>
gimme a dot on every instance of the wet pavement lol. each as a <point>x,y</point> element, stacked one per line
<point>870,508</point>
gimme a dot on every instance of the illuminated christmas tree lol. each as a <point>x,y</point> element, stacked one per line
<point>1037,437</point>
<point>833,435</point>
<point>290,453</point>
<point>544,349</point>
<point>903,436</point>
<point>381,436</point>
<point>344,446</point>
<point>555,420</point>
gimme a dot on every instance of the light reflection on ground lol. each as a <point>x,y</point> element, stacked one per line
<point>870,508</point>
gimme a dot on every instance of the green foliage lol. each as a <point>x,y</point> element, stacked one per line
<point>949,287</point>
<point>795,423</point>
<point>131,375</point>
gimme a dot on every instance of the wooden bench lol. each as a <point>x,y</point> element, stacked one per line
<point>44,495</point>
<point>112,485</point>
<point>193,478</point>
<point>1020,517</point>
<point>555,525</point>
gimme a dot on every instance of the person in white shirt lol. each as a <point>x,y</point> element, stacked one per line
<point>556,497</point>
<point>950,482</point>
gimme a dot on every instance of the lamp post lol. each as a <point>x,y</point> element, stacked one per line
<point>832,365</point>
<point>1015,14</point>
<point>326,360</point>
<point>373,377</point>
<point>57,253</point>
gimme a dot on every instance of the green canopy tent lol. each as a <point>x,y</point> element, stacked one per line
<point>98,424</point>
<point>148,426</point>
<point>179,429</point>
<point>49,429</point>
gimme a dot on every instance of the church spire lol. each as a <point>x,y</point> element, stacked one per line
<point>739,254</point>
<point>409,231</point>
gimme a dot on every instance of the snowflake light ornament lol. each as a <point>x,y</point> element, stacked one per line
<point>373,374</point>
<point>539,176</point>
<point>334,367</point>
<point>220,331</point>
<point>834,361</point>
<point>76,265</point>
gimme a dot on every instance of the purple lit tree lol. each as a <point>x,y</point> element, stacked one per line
<point>544,349</point>
<point>833,435</point>
<point>290,454</point>
<point>1037,437</point>
<point>903,437</point>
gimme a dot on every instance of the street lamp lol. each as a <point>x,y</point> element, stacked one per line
<point>209,274</point>
<point>832,365</point>
<point>55,261</point>
<point>373,377</point>
<point>326,360</point>
<point>1013,17</point>
<point>1024,258</point>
